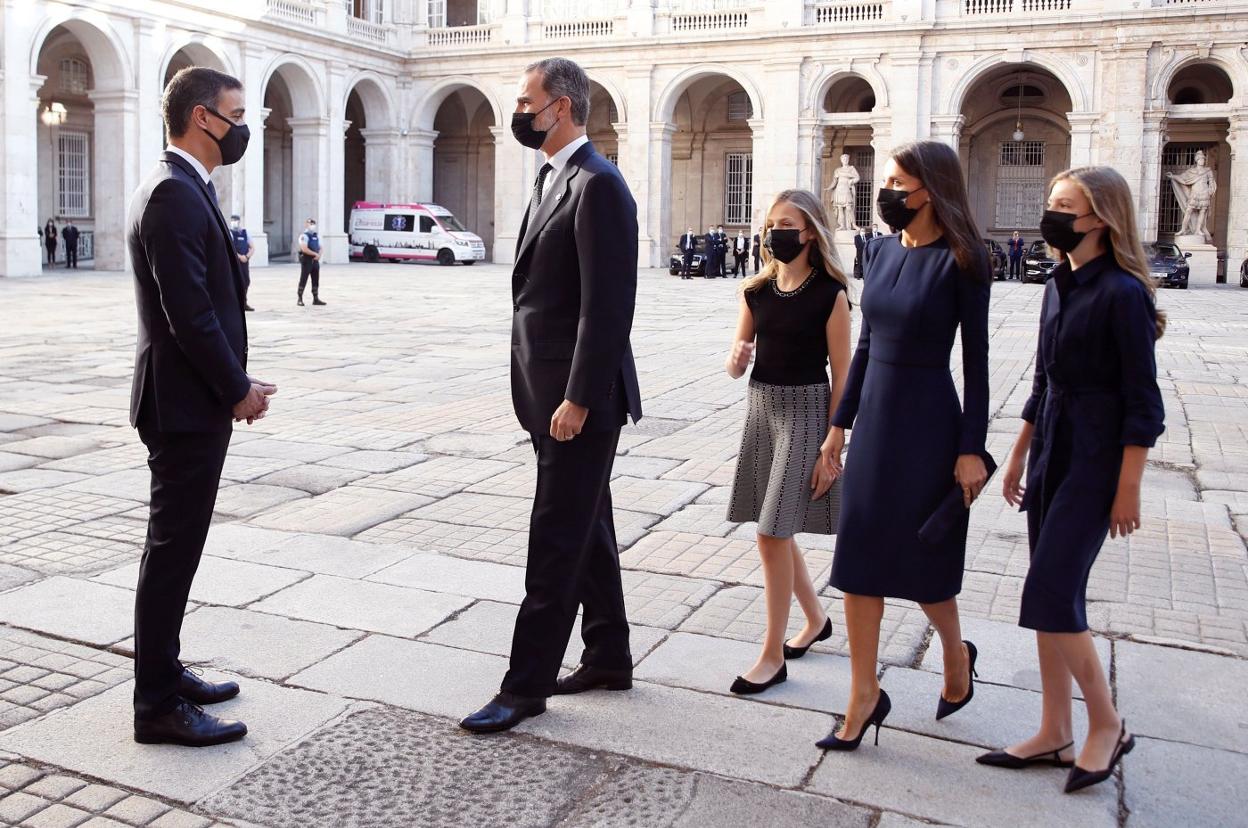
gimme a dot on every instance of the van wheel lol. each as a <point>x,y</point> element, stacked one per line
<point>370,254</point>
<point>445,257</point>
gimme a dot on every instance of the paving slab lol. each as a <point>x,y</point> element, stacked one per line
<point>16,422</point>
<point>246,499</point>
<point>219,580</point>
<point>345,511</point>
<point>132,484</point>
<point>440,476</point>
<point>52,447</point>
<point>361,605</point>
<point>487,627</point>
<point>39,674</point>
<point>816,681</point>
<point>302,452</point>
<point>458,576</point>
<point>95,738</point>
<point>71,608</point>
<point>375,462</point>
<point>24,480</point>
<point>54,553</point>
<point>323,554</point>
<point>1170,783</point>
<point>11,462</point>
<point>939,781</point>
<point>1007,653</point>
<point>312,478</point>
<point>12,576</point>
<point>1206,707</point>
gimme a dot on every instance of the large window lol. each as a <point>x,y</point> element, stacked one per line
<point>739,107</point>
<point>738,187</point>
<point>370,10</point>
<point>1175,158</point>
<point>74,78</point>
<point>73,179</point>
<point>437,14</point>
<point>1020,185</point>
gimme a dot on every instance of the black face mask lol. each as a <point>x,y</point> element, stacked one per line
<point>234,143</point>
<point>893,209</point>
<point>783,244</point>
<point>522,127</point>
<point>1058,230</point>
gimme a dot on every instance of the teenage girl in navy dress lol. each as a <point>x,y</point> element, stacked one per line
<point>1094,412</point>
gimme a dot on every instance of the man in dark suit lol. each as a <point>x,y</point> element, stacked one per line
<point>741,254</point>
<point>70,235</point>
<point>758,252</point>
<point>190,386</point>
<point>1017,247</point>
<point>688,246</point>
<point>860,241</point>
<point>573,384</point>
<point>723,251</point>
<point>710,259</point>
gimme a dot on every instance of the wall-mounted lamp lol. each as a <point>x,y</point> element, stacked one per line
<point>54,114</point>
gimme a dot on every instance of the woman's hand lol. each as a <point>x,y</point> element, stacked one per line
<point>1012,486</point>
<point>1124,515</point>
<point>828,468</point>
<point>739,359</point>
<point>971,474</point>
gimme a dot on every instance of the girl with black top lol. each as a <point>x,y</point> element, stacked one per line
<point>912,440</point>
<point>797,312</point>
<point>1094,412</point>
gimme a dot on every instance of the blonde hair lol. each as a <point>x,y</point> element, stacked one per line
<point>1110,198</point>
<point>822,252</point>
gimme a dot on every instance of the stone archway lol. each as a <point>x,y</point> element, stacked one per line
<point>295,127</point>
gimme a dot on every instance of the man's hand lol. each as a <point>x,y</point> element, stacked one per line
<point>256,404</point>
<point>241,257</point>
<point>567,421</point>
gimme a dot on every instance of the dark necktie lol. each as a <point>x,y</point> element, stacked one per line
<point>537,188</point>
<point>212,191</point>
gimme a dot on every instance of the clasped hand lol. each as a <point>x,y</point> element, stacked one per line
<point>256,404</point>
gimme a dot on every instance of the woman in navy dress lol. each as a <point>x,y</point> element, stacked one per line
<point>911,439</point>
<point>1094,412</point>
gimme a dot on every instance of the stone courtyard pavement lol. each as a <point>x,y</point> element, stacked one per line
<point>364,569</point>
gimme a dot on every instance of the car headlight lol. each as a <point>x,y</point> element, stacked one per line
<point>1032,262</point>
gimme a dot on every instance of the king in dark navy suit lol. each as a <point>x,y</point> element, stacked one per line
<point>190,386</point>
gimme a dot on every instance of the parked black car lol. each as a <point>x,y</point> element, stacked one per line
<point>1167,264</point>
<point>997,258</point>
<point>1038,264</point>
<point>1243,274</point>
<point>697,268</point>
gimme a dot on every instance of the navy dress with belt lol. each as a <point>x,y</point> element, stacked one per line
<point>1095,391</point>
<point>908,427</point>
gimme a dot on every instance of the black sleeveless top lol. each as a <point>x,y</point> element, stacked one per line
<point>791,330</point>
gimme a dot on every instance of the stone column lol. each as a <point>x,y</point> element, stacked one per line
<point>381,164</point>
<point>1237,219</point>
<point>641,163</point>
<point>809,148</point>
<point>420,162</point>
<point>948,128</point>
<point>115,172</point>
<point>249,173</point>
<point>882,147</point>
<point>514,171</point>
<point>1082,131</point>
<point>150,88</point>
<point>659,215</point>
<point>776,167</point>
<point>334,234</point>
<point>641,18</point>
<point>765,182</point>
<point>1149,182</point>
<point>308,145</point>
<point>20,252</point>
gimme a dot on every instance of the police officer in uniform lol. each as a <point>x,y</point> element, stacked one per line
<point>243,249</point>
<point>310,262</point>
<point>688,246</point>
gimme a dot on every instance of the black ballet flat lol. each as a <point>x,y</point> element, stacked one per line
<point>947,708</point>
<point>1005,759</point>
<point>798,652</point>
<point>748,688</point>
<point>1080,778</point>
<point>877,717</point>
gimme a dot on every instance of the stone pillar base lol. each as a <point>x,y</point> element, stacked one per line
<point>845,249</point>
<point>1203,262</point>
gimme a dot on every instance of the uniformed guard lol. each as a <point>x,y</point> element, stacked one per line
<point>243,249</point>
<point>310,261</point>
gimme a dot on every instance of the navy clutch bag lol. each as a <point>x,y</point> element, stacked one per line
<point>952,508</point>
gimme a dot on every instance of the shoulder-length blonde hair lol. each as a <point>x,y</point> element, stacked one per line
<point>1110,198</point>
<point>822,252</point>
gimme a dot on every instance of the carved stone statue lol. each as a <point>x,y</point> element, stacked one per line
<point>844,183</point>
<point>1194,189</point>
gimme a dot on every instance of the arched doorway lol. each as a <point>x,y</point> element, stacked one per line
<point>354,161</point>
<point>370,166</point>
<point>79,178</point>
<point>603,116</point>
<point>1015,137</point>
<point>463,161</point>
<point>845,120</point>
<point>294,133</point>
<point>196,54</point>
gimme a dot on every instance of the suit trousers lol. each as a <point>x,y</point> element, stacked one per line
<point>309,266</point>
<point>186,470</point>
<point>573,560</point>
<point>71,255</point>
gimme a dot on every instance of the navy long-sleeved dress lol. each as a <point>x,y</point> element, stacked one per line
<point>1095,391</point>
<point>908,427</point>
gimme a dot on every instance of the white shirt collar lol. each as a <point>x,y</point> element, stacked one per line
<point>560,159</point>
<point>198,167</point>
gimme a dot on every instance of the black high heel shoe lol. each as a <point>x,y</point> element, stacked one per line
<point>742,687</point>
<point>1005,759</point>
<point>877,717</point>
<point>1080,778</point>
<point>947,708</point>
<point>798,652</point>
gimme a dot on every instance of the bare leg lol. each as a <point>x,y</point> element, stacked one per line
<point>863,614</point>
<point>1079,653</point>
<point>807,598</point>
<point>777,558</point>
<point>944,617</point>
<point>1056,728</point>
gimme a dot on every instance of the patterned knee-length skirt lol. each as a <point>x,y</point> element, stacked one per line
<point>784,427</point>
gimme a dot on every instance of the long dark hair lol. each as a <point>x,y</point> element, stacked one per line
<point>936,164</point>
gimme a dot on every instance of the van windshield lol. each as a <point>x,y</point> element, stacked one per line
<point>451,223</point>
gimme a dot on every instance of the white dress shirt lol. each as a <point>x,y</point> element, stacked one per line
<point>560,160</point>
<point>198,167</point>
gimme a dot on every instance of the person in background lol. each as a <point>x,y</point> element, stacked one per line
<point>1094,412</point>
<point>69,234</point>
<point>860,241</point>
<point>741,255</point>
<point>244,249</point>
<point>723,251</point>
<point>688,247</point>
<point>49,241</point>
<point>757,247</point>
<point>310,262</point>
<point>710,261</point>
<point>1016,248</point>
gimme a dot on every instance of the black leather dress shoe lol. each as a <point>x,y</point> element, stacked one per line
<point>194,689</point>
<point>188,724</point>
<point>505,711</point>
<point>586,677</point>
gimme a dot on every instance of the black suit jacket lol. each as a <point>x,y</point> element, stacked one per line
<point>688,243</point>
<point>574,286</point>
<point>190,366</point>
